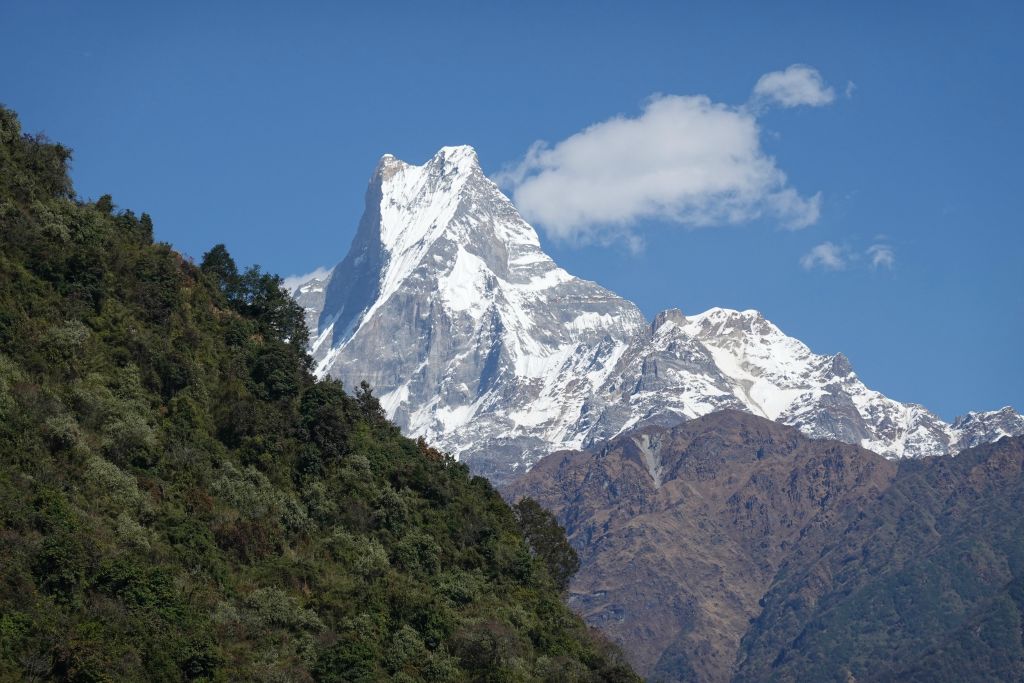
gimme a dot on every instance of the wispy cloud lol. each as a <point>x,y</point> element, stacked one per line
<point>293,281</point>
<point>683,159</point>
<point>832,256</point>
<point>882,256</point>
<point>798,85</point>
<point>826,255</point>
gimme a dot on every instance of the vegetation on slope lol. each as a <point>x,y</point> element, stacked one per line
<point>181,500</point>
<point>733,548</point>
<point>681,529</point>
<point>925,585</point>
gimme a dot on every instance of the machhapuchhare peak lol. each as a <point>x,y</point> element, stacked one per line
<point>475,339</point>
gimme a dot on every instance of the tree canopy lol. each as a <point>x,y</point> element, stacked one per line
<point>547,541</point>
<point>181,500</point>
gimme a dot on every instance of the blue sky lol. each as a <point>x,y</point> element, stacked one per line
<point>258,124</point>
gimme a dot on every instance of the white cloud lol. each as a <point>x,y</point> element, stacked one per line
<point>795,86</point>
<point>830,256</point>
<point>825,255</point>
<point>684,159</point>
<point>882,256</point>
<point>293,281</point>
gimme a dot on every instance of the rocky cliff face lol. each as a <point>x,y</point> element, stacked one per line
<point>469,333</point>
<point>733,547</point>
<point>474,338</point>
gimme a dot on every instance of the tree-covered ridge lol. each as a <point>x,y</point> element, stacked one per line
<point>181,500</point>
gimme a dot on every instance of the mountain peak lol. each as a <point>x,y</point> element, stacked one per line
<point>447,304</point>
<point>459,156</point>
<point>454,159</point>
<point>409,206</point>
<point>388,166</point>
<point>670,315</point>
<point>473,337</point>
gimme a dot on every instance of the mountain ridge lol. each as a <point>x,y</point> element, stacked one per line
<point>475,339</point>
<point>730,547</point>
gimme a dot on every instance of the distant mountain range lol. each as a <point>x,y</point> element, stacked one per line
<point>733,548</point>
<point>475,339</point>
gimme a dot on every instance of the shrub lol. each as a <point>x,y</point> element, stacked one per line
<point>130,439</point>
<point>365,556</point>
<point>62,432</point>
<point>114,488</point>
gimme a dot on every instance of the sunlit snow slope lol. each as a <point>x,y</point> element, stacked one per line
<point>472,337</point>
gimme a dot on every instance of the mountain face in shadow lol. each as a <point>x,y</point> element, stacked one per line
<point>731,547</point>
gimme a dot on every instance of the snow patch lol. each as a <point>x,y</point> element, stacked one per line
<point>464,287</point>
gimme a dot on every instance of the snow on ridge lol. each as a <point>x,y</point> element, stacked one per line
<point>476,339</point>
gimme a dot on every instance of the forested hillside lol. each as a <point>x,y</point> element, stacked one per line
<point>181,500</point>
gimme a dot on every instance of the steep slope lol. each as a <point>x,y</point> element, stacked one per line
<point>681,530</point>
<point>474,338</point>
<point>925,584</point>
<point>730,547</point>
<point>469,332</point>
<point>181,500</point>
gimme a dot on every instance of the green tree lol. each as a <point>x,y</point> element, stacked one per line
<point>218,264</point>
<point>105,204</point>
<point>547,541</point>
<point>180,499</point>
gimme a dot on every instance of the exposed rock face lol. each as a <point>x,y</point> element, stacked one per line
<point>738,359</point>
<point>731,547</point>
<point>474,338</point>
<point>469,333</point>
<point>974,429</point>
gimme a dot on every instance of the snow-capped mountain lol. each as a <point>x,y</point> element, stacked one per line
<point>474,338</point>
<point>691,366</point>
<point>469,332</point>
